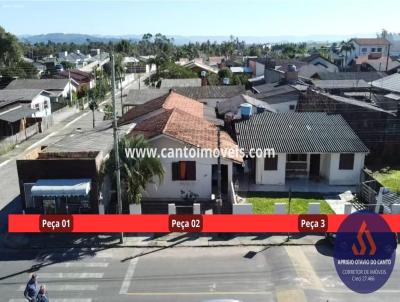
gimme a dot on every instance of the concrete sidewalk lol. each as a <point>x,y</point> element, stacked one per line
<point>44,241</point>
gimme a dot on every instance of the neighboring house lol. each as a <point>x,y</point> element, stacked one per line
<point>76,58</point>
<point>314,146</point>
<point>375,126</point>
<point>137,97</point>
<point>20,108</point>
<point>177,129</point>
<point>233,105</point>
<point>58,88</point>
<point>215,61</point>
<point>318,60</point>
<point>367,76</point>
<point>155,106</point>
<point>198,67</point>
<point>365,47</point>
<point>84,79</point>
<point>257,66</point>
<point>340,86</point>
<point>173,83</point>
<point>376,62</point>
<point>66,177</point>
<point>390,83</point>
<point>281,97</point>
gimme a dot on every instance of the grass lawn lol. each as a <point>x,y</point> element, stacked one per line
<point>263,203</point>
<point>390,179</point>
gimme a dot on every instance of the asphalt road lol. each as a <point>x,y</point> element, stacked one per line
<point>281,274</point>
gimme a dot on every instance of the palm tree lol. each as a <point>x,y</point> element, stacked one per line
<point>346,47</point>
<point>93,106</point>
<point>136,172</point>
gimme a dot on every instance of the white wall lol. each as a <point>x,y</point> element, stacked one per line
<point>271,177</point>
<point>358,51</point>
<point>171,190</point>
<point>260,68</point>
<point>40,100</point>
<point>285,107</point>
<point>345,177</point>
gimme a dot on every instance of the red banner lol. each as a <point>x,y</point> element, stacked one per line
<point>19,223</point>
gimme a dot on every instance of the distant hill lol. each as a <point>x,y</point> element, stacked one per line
<point>68,38</point>
<point>179,40</point>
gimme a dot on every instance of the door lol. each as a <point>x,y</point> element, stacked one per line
<point>224,179</point>
<point>315,160</point>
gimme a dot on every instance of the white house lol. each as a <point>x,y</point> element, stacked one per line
<point>366,46</point>
<point>187,174</point>
<point>56,87</point>
<point>307,145</point>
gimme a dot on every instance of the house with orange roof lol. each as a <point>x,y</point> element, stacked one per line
<point>186,143</point>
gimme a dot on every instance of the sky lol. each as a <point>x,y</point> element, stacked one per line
<point>201,17</point>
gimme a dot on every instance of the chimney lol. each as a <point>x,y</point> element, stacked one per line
<point>291,75</point>
<point>203,78</point>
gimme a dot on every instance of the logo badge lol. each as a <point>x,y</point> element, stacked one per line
<point>364,252</point>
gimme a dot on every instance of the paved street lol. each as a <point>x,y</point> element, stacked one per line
<point>281,274</point>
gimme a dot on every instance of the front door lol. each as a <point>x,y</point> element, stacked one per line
<point>224,179</point>
<point>314,165</point>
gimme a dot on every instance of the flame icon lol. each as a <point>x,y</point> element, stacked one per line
<point>363,248</point>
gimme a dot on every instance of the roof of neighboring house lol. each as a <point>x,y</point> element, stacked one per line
<point>170,83</point>
<point>309,70</point>
<point>233,104</point>
<point>371,41</point>
<point>139,97</point>
<point>9,96</point>
<point>215,60</point>
<point>283,64</point>
<point>390,83</point>
<point>367,76</point>
<point>16,114</point>
<point>379,64</point>
<point>43,84</point>
<point>167,101</point>
<point>187,128</point>
<point>298,132</point>
<point>76,74</point>
<point>340,84</point>
<point>316,56</point>
<point>271,89</point>
<point>211,92</point>
<point>88,140</point>
<point>193,64</point>
<point>393,96</point>
<point>354,102</point>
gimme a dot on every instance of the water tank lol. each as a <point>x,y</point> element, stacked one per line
<point>245,110</point>
<point>292,67</point>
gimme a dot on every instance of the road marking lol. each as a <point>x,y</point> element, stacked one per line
<point>5,162</point>
<point>230,293</point>
<point>56,300</point>
<point>79,264</point>
<point>289,295</point>
<point>55,132</point>
<point>71,275</point>
<point>67,287</point>
<point>303,267</point>
<point>128,276</point>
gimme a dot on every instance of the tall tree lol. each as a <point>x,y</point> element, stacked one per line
<point>346,47</point>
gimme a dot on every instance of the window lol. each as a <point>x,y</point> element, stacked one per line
<point>46,105</point>
<point>271,163</point>
<point>364,49</point>
<point>37,106</point>
<point>379,49</point>
<point>346,161</point>
<point>184,170</point>
<point>296,157</point>
<point>373,49</point>
<point>291,107</point>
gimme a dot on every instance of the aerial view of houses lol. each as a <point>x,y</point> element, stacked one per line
<point>148,154</point>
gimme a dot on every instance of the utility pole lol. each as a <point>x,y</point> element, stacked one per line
<point>219,197</point>
<point>387,57</point>
<point>115,134</point>
<point>70,87</point>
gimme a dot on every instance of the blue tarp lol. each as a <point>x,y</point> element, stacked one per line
<point>61,187</point>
